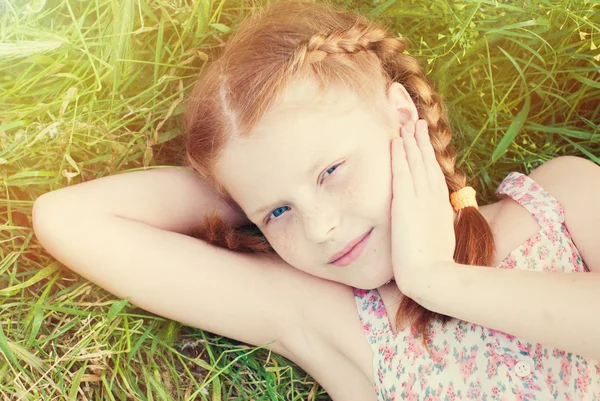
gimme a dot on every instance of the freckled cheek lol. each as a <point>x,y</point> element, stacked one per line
<point>284,240</point>
<point>369,193</point>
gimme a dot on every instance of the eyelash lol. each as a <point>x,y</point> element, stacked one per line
<point>268,219</point>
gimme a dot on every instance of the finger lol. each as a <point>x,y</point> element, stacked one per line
<point>437,180</point>
<point>402,185</point>
<point>415,161</point>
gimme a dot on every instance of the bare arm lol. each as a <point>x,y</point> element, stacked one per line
<point>173,199</point>
<point>555,309</point>
<point>120,232</point>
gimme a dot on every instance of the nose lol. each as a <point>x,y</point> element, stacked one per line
<point>320,221</point>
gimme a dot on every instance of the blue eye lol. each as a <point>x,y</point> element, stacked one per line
<point>329,171</point>
<point>279,211</point>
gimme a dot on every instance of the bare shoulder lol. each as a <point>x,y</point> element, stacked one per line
<point>567,177</point>
<point>573,181</point>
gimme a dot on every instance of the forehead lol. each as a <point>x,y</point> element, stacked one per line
<point>304,128</point>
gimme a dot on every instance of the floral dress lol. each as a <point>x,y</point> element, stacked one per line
<point>470,362</point>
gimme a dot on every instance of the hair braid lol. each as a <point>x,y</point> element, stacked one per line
<point>280,45</point>
<point>355,39</point>
<point>474,237</point>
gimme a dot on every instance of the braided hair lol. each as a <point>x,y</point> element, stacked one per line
<point>294,39</point>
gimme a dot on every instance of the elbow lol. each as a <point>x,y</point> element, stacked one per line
<point>44,208</point>
<point>38,213</point>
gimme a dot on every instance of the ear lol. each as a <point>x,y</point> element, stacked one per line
<point>402,105</point>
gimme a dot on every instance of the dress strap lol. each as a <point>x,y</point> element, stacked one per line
<point>373,316</point>
<point>529,194</point>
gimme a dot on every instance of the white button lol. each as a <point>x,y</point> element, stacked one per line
<point>522,369</point>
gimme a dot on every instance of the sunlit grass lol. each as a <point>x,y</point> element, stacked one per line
<point>89,88</point>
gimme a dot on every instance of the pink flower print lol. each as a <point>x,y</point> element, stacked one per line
<point>459,333</point>
<point>575,259</point>
<point>534,187</point>
<point>380,311</point>
<point>509,262</point>
<point>360,292</point>
<point>410,396</point>
<point>520,394</point>
<point>424,372</point>
<point>492,369</point>
<point>432,397</point>
<point>524,347</point>
<point>414,347</point>
<point>466,369</point>
<point>380,375</point>
<point>541,217</point>
<point>560,251</point>
<point>559,209</point>
<point>530,383</point>
<point>551,235</point>
<point>438,354</point>
<point>543,252</point>
<point>493,363</point>
<point>583,380</point>
<point>539,355</point>
<point>518,183</point>
<point>467,363</point>
<point>526,198</point>
<point>389,395</point>
<point>533,240</point>
<point>565,369</point>
<point>408,393</point>
<point>582,383</point>
<point>401,370</point>
<point>450,394</point>
<point>474,392</point>
<point>550,381</point>
<point>367,327</point>
<point>389,351</point>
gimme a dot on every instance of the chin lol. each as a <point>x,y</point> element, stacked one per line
<point>372,282</point>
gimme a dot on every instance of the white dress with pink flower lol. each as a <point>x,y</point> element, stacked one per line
<point>471,362</point>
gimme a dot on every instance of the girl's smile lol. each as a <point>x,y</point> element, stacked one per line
<point>316,181</point>
<point>352,251</point>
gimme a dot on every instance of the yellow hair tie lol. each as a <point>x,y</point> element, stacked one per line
<point>462,198</point>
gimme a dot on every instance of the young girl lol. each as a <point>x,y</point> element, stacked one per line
<point>324,150</point>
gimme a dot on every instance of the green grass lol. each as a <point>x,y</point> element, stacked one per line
<point>89,88</point>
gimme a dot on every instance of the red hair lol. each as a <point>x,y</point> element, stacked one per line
<point>296,39</point>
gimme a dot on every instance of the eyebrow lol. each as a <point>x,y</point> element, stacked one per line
<point>310,172</point>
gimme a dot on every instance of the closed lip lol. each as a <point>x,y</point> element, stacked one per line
<point>349,247</point>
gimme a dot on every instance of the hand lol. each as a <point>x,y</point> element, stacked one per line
<point>422,216</point>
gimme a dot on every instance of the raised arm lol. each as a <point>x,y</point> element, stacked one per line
<point>173,199</point>
<point>125,233</point>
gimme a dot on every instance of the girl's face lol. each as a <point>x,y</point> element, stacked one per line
<point>314,175</point>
